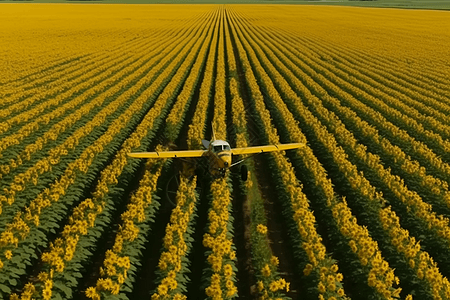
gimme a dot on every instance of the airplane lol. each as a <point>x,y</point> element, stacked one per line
<point>219,154</point>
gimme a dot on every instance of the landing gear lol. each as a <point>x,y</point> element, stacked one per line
<point>244,173</point>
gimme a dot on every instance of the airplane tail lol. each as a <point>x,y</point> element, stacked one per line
<point>213,133</point>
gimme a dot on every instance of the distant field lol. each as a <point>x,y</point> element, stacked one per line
<point>411,4</point>
<point>360,212</point>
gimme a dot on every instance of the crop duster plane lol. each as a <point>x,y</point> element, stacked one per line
<point>219,154</point>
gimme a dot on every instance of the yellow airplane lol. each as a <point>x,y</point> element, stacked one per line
<point>219,154</point>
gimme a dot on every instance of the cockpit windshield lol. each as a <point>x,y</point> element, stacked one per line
<point>219,148</point>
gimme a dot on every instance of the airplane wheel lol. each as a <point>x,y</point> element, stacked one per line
<point>244,173</point>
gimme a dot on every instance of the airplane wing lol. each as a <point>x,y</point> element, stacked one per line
<point>168,154</point>
<point>269,148</point>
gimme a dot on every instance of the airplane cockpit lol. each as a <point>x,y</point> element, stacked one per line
<point>218,146</point>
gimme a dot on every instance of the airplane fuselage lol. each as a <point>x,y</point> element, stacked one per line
<point>219,156</point>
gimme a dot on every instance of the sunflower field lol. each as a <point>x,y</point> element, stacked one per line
<point>361,212</point>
